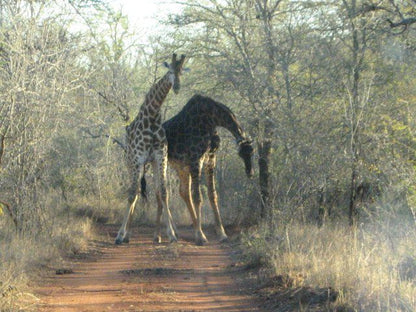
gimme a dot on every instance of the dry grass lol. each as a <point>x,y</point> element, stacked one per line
<point>373,268</point>
<point>23,254</point>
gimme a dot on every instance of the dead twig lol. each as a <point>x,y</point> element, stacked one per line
<point>100,135</point>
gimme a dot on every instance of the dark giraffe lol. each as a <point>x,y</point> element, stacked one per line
<point>192,145</point>
<point>146,143</point>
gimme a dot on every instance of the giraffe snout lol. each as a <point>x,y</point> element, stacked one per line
<point>176,86</point>
<point>249,172</point>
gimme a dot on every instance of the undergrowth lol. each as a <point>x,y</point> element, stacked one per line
<point>372,268</point>
<point>24,252</point>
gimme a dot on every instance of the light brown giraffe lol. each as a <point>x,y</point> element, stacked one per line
<point>146,142</point>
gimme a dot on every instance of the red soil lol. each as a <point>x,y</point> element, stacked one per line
<point>142,276</point>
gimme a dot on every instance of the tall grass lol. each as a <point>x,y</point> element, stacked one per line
<point>373,267</point>
<point>42,242</point>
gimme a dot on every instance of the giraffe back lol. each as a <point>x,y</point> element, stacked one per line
<point>192,132</point>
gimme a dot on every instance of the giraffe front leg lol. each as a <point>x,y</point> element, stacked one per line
<point>200,238</point>
<point>123,233</point>
<point>213,197</point>
<point>185,192</point>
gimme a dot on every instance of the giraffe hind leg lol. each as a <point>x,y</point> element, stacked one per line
<point>185,192</point>
<point>200,238</point>
<point>157,238</point>
<point>159,168</point>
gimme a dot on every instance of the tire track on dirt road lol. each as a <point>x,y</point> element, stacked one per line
<point>142,276</point>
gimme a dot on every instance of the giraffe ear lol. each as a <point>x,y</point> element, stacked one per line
<point>166,65</point>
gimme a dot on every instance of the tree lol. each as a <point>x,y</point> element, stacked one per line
<point>307,75</point>
<point>40,75</point>
<point>253,48</point>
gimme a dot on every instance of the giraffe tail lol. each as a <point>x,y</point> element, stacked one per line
<point>143,190</point>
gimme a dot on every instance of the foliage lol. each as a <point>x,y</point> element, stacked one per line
<point>317,79</point>
<point>325,88</point>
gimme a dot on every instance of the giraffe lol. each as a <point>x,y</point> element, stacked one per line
<point>192,145</point>
<point>146,143</point>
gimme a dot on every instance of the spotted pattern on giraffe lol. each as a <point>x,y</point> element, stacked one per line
<point>146,143</point>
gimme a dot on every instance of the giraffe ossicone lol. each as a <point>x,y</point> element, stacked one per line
<point>146,143</point>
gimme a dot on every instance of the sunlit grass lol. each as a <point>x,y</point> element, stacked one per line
<point>24,253</point>
<point>373,268</point>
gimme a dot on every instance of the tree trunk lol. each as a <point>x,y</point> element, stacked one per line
<point>1,147</point>
<point>358,50</point>
<point>264,148</point>
<point>4,205</point>
<point>353,213</point>
<point>10,213</point>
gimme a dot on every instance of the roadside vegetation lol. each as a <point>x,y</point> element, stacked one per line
<point>332,268</point>
<point>326,90</point>
<point>44,242</point>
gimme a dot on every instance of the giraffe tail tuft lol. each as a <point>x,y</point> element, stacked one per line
<point>143,190</point>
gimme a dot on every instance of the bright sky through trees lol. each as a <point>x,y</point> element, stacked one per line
<point>144,15</point>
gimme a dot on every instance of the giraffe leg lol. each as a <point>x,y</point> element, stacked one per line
<point>213,198</point>
<point>157,236</point>
<point>185,191</point>
<point>200,237</point>
<point>159,169</point>
<point>123,234</point>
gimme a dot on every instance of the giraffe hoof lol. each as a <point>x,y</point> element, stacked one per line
<point>157,240</point>
<point>200,238</point>
<point>121,240</point>
<point>224,239</point>
<point>173,240</point>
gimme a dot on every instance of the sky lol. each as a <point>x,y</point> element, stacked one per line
<point>144,14</point>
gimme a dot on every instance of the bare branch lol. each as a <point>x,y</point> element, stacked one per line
<point>116,141</point>
<point>371,7</point>
<point>404,22</point>
<point>122,109</point>
<point>100,135</point>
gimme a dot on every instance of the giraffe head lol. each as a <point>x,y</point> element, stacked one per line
<point>246,153</point>
<point>175,70</point>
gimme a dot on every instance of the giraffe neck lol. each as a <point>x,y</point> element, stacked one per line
<point>157,94</point>
<point>228,121</point>
<point>205,114</point>
<point>220,116</point>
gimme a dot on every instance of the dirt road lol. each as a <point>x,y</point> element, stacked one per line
<point>142,276</point>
